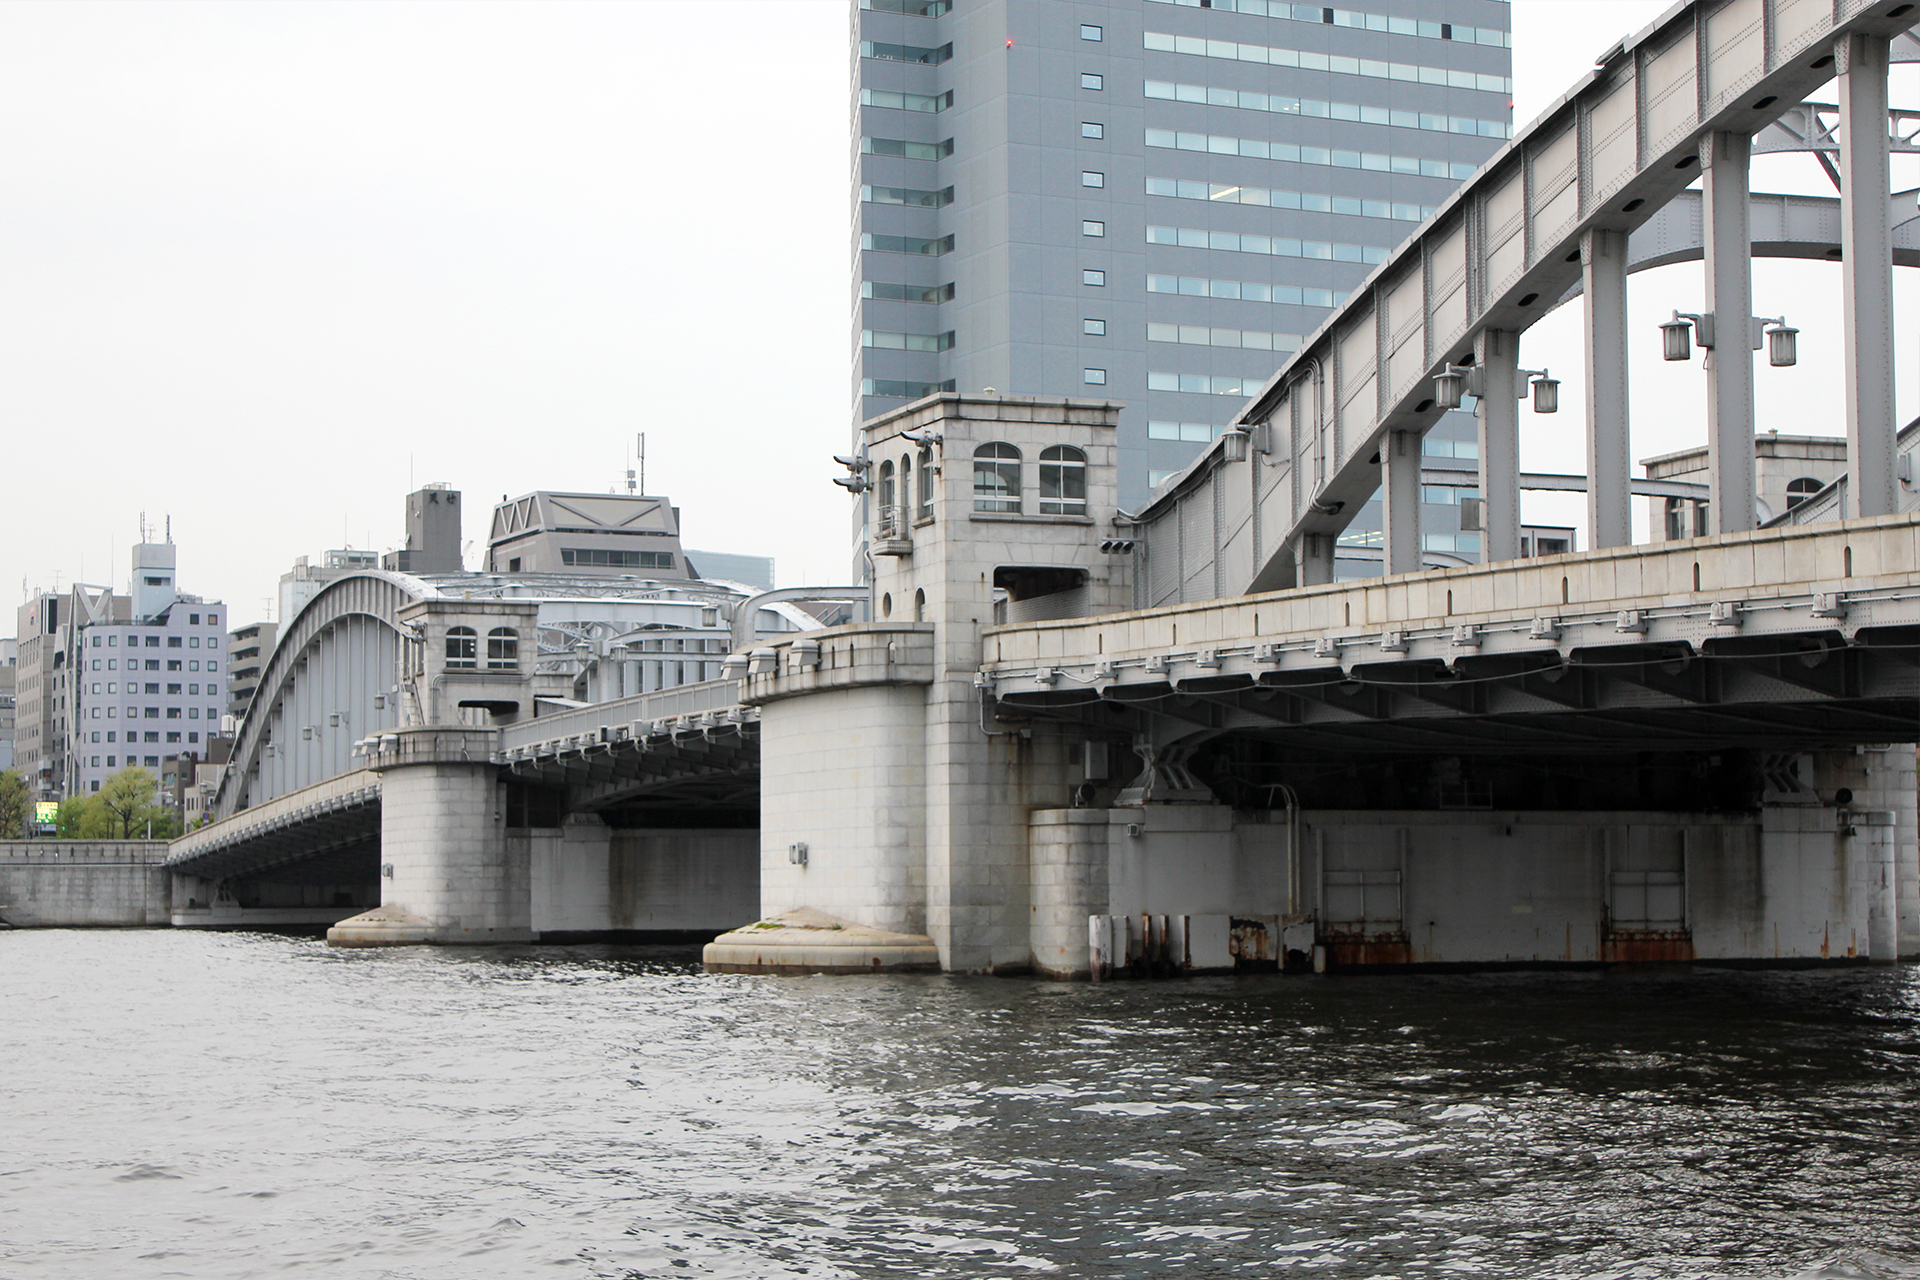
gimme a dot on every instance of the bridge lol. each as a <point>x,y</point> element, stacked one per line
<point>1081,741</point>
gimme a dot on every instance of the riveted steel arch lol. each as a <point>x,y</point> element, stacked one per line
<point>330,682</point>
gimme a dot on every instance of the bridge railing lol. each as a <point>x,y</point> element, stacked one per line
<point>342,789</point>
<point>662,704</point>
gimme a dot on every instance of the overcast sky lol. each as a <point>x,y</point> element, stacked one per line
<point>267,266</point>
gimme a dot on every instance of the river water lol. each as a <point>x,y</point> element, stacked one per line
<point>204,1105</point>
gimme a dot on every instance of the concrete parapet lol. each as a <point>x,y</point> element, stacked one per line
<point>398,748</point>
<point>65,884</point>
<point>809,941</point>
<point>855,656</point>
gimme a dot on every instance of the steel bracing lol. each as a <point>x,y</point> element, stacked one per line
<point>1678,103</point>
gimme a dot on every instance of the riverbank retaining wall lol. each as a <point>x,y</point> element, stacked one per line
<point>64,884</point>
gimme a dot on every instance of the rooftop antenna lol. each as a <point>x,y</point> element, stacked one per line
<point>643,462</point>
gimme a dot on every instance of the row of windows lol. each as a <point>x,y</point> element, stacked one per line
<point>996,479</point>
<point>153,713</point>
<point>1372,68</point>
<point>885,489</point>
<point>924,246</point>
<point>1437,448</point>
<point>1468,543</point>
<point>913,8</point>
<point>1270,246</point>
<point>153,664</point>
<point>1261,149</point>
<point>906,52</point>
<point>931,103</point>
<point>503,647</point>
<point>1201,384</point>
<point>1200,335</point>
<point>900,389</point>
<point>193,690</point>
<point>1247,100</point>
<point>889,341</point>
<point>192,736</point>
<point>1194,432</point>
<point>153,762</point>
<point>607,558</point>
<point>1246,291</point>
<point>1320,16</point>
<point>882,290</point>
<point>906,150</point>
<point>907,196</point>
<point>1275,198</point>
<point>153,642</point>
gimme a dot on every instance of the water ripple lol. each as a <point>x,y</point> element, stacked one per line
<point>235,1106</point>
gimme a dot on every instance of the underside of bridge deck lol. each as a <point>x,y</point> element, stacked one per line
<point>1762,692</point>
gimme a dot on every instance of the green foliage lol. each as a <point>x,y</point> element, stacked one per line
<point>126,807</point>
<point>74,820</point>
<point>15,805</point>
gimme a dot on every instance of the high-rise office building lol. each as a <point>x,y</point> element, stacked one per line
<point>1151,201</point>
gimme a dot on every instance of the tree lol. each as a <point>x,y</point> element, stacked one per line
<point>129,802</point>
<point>14,805</point>
<point>76,819</point>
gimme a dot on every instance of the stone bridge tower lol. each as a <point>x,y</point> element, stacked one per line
<point>888,800</point>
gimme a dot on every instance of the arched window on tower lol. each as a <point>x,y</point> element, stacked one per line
<point>463,645</point>
<point>1063,481</point>
<point>503,649</point>
<point>885,487</point>
<point>1798,491</point>
<point>996,477</point>
<point>926,485</point>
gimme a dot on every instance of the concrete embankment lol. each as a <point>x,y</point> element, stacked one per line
<point>51,884</point>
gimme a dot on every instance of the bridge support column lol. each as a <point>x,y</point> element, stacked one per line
<point>1313,559</point>
<point>1603,258</point>
<point>1867,279</point>
<point>448,873</point>
<point>1724,160</point>
<point>1400,501</point>
<point>1498,354</point>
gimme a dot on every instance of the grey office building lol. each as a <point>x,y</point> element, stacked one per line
<point>1151,201</point>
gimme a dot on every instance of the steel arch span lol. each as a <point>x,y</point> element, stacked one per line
<point>332,680</point>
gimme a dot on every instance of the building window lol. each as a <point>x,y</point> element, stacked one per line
<point>1088,227</point>
<point>173,737</point>
<point>1094,377</point>
<point>1268,246</point>
<point>173,713</point>
<point>885,291</point>
<point>601,557</point>
<point>1798,491</point>
<point>905,53</point>
<point>153,642</point>
<point>173,689</point>
<point>1063,481</point>
<point>1092,129</point>
<point>885,340</point>
<point>173,642</point>
<point>913,8</point>
<point>1088,80</point>
<point>886,486</point>
<point>908,196</point>
<point>905,149</point>
<point>926,484</point>
<point>996,478</point>
<point>1092,178</point>
<point>928,102</point>
<point>94,786</point>
<point>503,649</point>
<point>921,245</point>
<point>1098,328</point>
<point>1090,32</point>
<point>903,390</point>
<point>462,646</point>
<point>1098,279</point>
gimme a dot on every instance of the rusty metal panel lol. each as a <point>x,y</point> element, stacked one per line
<point>1254,942</point>
<point>1351,951</point>
<point>1647,946</point>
